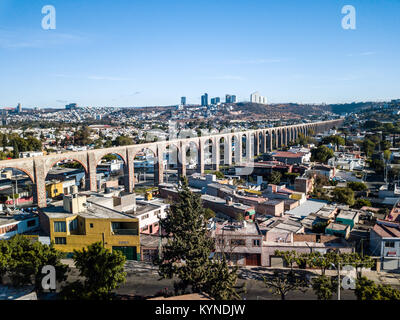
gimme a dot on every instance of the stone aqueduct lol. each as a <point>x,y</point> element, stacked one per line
<point>257,141</point>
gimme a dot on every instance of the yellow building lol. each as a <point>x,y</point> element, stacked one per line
<point>74,224</point>
<point>54,188</point>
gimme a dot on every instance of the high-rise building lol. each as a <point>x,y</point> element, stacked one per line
<point>230,98</point>
<point>215,100</point>
<point>255,97</point>
<point>204,100</point>
<point>71,106</point>
<point>183,101</point>
<point>19,108</point>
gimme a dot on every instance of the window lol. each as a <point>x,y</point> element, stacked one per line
<point>389,244</point>
<point>238,242</point>
<point>91,225</point>
<point>256,243</point>
<point>60,226</point>
<point>60,240</point>
<point>31,223</point>
<point>73,225</point>
<point>144,216</point>
<point>156,213</point>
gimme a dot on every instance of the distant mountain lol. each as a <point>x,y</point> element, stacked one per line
<point>351,107</point>
<point>284,110</point>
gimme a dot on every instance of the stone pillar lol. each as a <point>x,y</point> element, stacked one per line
<point>257,144</point>
<point>228,150</point>
<point>40,181</point>
<point>249,150</point>
<point>129,170</point>
<point>200,157</point>
<point>182,161</point>
<point>92,171</point>
<point>238,149</point>
<point>264,142</point>
<point>215,153</point>
<point>159,165</point>
<point>270,141</point>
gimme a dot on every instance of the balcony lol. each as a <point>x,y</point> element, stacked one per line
<point>125,232</point>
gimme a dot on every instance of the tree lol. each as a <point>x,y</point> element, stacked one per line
<point>319,227</point>
<point>4,258</point>
<point>321,154</point>
<point>324,287</point>
<point>82,137</point>
<point>362,203</point>
<point>357,186</point>
<point>377,165</point>
<point>335,139</point>
<point>15,150</point>
<point>368,147</point>
<point>33,144</point>
<point>387,154</point>
<point>288,256</point>
<point>221,284</point>
<point>186,254</point>
<point>102,269</point>
<point>282,282</point>
<point>275,177</point>
<point>219,175</point>
<point>344,195</point>
<point>367,290</point>
<point>27,258</point>
<point>291,176</point>
<point>208,214</point>
<point>110,157</point>
<point>123,141</point>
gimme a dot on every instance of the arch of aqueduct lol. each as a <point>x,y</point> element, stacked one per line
<point>257,141</point>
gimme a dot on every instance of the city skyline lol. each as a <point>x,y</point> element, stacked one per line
<point>288,51</point>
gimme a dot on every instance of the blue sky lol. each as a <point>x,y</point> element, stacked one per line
<point>152,52</point>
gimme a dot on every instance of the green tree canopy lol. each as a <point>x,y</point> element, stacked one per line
<point>343,195</point>
<point>357,186</point>
<point>321,154</point>
<point>26,258</point>
<point>367,290</point>
<point>102,270</point>
<point>123,141</point>
<point>186,254</point>
<point>324,287</point>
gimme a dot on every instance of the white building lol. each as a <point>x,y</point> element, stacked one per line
<point>257,98</point>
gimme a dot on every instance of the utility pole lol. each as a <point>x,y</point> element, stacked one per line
<point>339,280</point>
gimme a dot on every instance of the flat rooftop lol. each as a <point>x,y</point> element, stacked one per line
<point>308,207</point>
<point>337,226</point>
<point>236,229</point>
<point>93,211</point>
<point>348,214</point>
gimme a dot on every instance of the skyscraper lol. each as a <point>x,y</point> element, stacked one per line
<point>19,108</point>
<point>183,101</point>
<point>257,98</point>
<point>230,98</point>
<point>215,100</point>
<point>204,100</point>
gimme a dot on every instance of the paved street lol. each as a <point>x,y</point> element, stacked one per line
<point>143,280</point>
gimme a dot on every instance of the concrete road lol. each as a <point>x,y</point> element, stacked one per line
<point>143,280</point>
